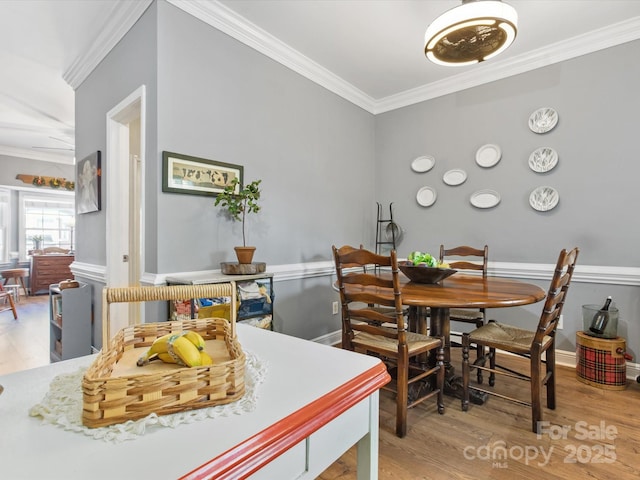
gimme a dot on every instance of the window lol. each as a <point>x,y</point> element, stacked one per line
<point>46,221</point>
<point>5,224</point>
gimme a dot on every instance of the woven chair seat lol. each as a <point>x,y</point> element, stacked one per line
<point>415,342</point>
<point>506,337</point>
<point>465,314</point>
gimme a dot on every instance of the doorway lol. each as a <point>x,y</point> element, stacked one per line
<point>125,206</point>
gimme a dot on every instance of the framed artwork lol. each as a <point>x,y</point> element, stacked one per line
<point>197,176</point>
<point>88,175</point>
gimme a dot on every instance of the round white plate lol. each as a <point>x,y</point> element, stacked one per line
<point>423,164</point>
<point>544,199</point>
<point>543,120</point>
<point>454,177</point>
<point>488,155</point>
<point>543,159</point>
<point>485,199</point>
<point>426,196</point>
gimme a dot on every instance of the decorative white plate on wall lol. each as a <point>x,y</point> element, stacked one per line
<point>423,164</point>
<point>426,196</point>
<point>488,155</point>
<point>454,177</point>
<point>544,199</point>
<point>392,231</point>
<point>543,120</point>
<point>543,159</point>
<point>485,199</point>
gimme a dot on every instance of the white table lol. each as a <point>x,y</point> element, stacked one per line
<point>315,403</point>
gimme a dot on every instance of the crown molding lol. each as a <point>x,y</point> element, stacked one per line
<point>66,159</point>
<point>217,15</point>
<point>121,18</point>
<point>227,21</point>
<point>594,41</point>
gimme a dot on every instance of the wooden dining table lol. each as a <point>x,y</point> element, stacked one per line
<point>433,301</point>
<point>430,304</point>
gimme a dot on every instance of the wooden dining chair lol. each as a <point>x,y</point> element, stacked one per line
<point>7,303</point>
<point>467,258</point>
<point>531,344</point>
<point>365,329</point>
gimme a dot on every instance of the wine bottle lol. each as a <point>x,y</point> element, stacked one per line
<point>600,319</point>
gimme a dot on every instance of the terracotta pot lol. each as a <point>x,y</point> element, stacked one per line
<point>245,254</point>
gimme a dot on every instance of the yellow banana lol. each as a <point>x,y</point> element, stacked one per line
<point>206,358</point>
<point>184,352</point>
<point>166,357</point>
<point>195,338</point>
<point>160,345</point>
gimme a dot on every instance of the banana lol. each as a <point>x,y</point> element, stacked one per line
<point>206,358</point>
<point>160,345</point>
<point>184,352</point>
<point>195,338</point>
<point>166,357</point>
<point>183,348</point>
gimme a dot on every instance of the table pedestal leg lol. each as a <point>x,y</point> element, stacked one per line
<point>439,326</point>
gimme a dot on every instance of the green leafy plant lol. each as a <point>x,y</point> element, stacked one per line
<point>239,204</point>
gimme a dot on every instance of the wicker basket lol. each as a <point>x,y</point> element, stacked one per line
<point>115,390</point>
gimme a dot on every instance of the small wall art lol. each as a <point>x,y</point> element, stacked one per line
<point>197,176</point>
<point>88,180</point>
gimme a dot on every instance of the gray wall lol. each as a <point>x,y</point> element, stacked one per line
<point>596,139</point>
<point>313,151</point>
<point>325,162</point>
<point>132,63</point>
<point>595,96</point>
<point>12,166</point>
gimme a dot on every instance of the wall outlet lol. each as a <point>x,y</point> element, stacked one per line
<point>335,307</point>
<point>560,322</point>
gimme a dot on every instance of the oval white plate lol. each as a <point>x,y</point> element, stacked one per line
<point>454,177</point>
<point>485,199</point>
<point>543,120</point>
<point>544,199</point>
<point>393,229</point>
<point>423,164</point>
<point>426,196</point>
<point>543,159</point>
<point>488,155</point>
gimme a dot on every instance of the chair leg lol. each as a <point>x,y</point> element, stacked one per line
<point>440,377</point>
<point>465,372</point>
<point>402,397</point>
<point>12,304</point>
<point>492,366</point>
<point>551,377</point>
<point>536,393</point>
<point>479,355</point>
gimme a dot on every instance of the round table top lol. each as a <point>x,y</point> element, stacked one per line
<point>470,291</point>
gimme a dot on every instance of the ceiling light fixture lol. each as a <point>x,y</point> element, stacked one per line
<point>473,32</point>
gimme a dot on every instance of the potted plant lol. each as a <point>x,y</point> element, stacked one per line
<point>37,241</point>
<point>238,205</point>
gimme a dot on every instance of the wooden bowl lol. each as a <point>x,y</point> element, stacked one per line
<point>422,274</point>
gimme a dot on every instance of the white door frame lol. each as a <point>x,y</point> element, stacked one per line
<point>119,206</point>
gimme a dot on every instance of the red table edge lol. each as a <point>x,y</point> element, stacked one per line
<point>249,456</point>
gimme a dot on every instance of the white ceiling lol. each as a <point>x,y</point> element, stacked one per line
<point>368,51</point>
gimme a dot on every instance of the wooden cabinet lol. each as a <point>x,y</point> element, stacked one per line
<point>69,322</point>
<point>47,270</point>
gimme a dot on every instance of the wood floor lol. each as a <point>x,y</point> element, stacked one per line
<point>593,433</point>
<point>24,343</point>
